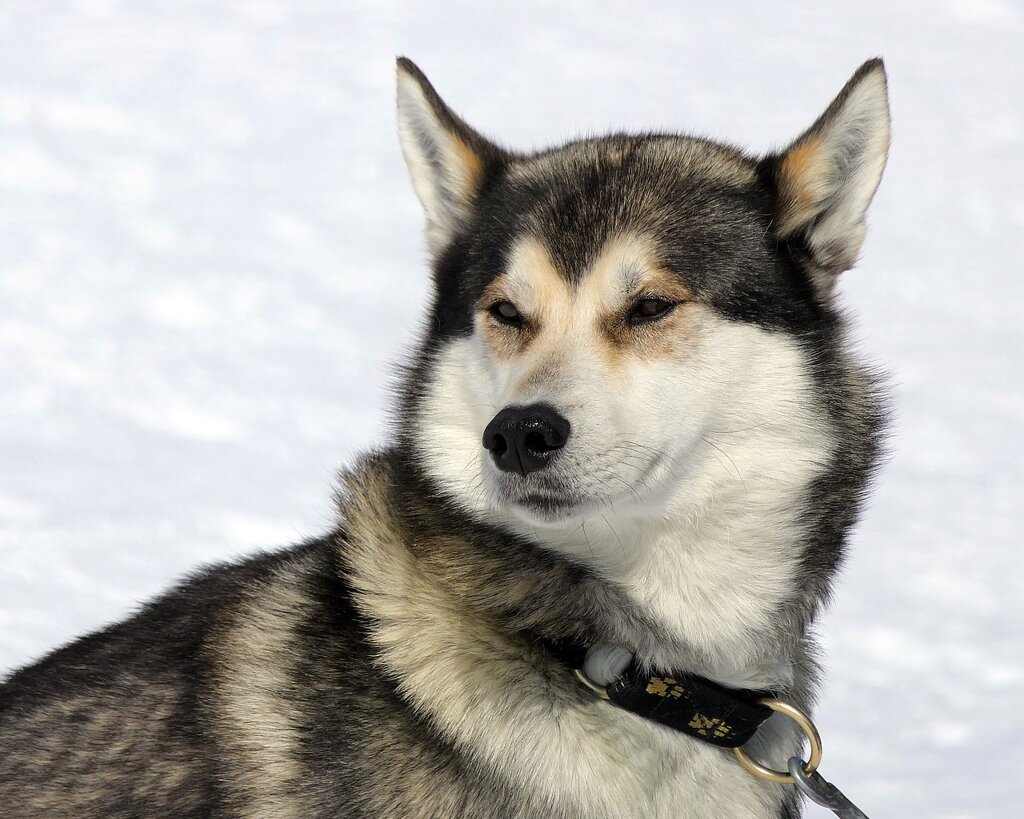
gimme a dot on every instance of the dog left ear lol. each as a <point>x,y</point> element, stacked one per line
<point>448,161</point>
<point>826,179</point>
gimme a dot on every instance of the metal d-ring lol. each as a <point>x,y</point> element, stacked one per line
<point>813,737</point>
<point>595,689</point>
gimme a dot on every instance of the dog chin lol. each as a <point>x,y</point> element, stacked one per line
<point>538,510</point>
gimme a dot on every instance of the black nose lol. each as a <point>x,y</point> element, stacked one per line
<point>521,439</point>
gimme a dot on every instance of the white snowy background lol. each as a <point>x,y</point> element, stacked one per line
<point>210,259</point>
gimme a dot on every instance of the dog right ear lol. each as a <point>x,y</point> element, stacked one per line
<point>826,179</point>
<point>448,161</point>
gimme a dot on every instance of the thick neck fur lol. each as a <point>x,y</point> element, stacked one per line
<point>449,602</point>
<point>746,634</point>
<point>713,592</point>
<point>719,576</point>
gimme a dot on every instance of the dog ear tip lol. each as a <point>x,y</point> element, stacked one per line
<point>407,68</point>
<point>866,91</point>
<point>874,69</point>
<point>409,81</point>
<point>405,72</point>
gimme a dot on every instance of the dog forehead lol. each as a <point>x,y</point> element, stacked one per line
<point>578,199</point>
<point>642,158</point>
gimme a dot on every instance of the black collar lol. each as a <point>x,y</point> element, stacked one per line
<point>689,703</point>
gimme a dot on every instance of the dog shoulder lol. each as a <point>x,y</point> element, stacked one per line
<point>120,716</point>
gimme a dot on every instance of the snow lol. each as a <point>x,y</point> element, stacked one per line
<point>211,259</point>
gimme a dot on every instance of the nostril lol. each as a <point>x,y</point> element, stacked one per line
<point>535,442</point>
<point>497,444</point>
<point>543,440</point>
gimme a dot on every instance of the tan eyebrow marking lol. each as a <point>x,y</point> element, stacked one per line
<point>627,267</point>
<point>534,285</point>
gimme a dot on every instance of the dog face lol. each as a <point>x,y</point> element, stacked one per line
<point>628,329</point>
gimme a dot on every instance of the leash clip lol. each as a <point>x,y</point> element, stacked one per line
<point>816,788</point>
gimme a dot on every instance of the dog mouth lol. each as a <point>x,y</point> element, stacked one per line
<point>543,499</point>
<point>538,500</point>
<point>586,480</point>
<point>545,505</point>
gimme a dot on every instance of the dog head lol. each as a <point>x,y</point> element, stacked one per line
<point>630,329</point>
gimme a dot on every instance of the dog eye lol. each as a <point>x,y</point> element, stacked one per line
<point>507,313</point>
<point>650,309</point>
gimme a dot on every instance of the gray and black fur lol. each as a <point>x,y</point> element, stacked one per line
<point>284,685</point>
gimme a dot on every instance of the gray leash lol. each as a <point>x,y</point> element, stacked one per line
<point>814,786</point>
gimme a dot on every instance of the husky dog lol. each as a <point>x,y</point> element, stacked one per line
<point>634,422</point>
